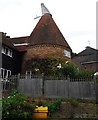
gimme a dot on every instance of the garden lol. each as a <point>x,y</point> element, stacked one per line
<point>16,105</point>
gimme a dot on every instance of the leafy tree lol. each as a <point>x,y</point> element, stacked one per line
<point>73,54</point>
<point>84,73</point>
<point>56,66</point>
<point>69,70</point>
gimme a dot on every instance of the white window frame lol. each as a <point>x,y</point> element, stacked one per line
<point>3,49</point>
<point>10,52</point>
<point>7,51</point>
<point>7,73</point>
<point>67,53</point>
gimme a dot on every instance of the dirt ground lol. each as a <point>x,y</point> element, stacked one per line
<point>83,110</point>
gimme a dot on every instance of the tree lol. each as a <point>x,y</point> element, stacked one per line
<point>56,66</point>
<point>73,54</point>
<point>69,70</point>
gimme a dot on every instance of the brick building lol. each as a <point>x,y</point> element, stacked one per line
<point>45,40</point>
<point>87,59</point>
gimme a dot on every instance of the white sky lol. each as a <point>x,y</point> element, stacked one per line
<point>76,19</point>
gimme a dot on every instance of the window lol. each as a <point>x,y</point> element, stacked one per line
<point>10,53</point>
<point>4,73</point>
<point>67,53</point>
<point>3,49</point>
<point>8,73</point>
<point>6,51</point>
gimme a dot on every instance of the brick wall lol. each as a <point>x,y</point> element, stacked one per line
<point>89,66</point>
<point>42,51</point>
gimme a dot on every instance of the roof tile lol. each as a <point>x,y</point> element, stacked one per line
<point>47,32</point>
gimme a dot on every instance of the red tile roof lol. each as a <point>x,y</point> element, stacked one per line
<point>47,32</point>
<point>6,41</point>
<point>19,40</point>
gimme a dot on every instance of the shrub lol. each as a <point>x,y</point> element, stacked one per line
<point>53,106</point>
<point>49,66</point>
<point>16,106</point>
<point>74,102</point>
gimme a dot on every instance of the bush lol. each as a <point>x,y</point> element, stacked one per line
<point>53,106</point>
<point>19,106</point>
<point>56,66</point>
<point>16,106</point>
<point>74,102</point>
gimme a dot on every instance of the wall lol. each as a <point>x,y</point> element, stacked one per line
<point>42,51</point>
<point>12,63</point>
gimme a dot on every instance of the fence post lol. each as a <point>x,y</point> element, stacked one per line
<point>68,82</point>
<point>1,84</point>
<point>18,78</point>
<point>96,89</point>
<point>43,84</point>
<point>95,85</point>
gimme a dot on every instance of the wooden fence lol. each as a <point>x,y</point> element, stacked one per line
<point>58,87</point>
<point>40,86</point>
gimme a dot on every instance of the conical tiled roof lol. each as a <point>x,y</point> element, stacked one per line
<point>46,32</point>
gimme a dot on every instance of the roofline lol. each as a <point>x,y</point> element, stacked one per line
<point>19,37</point>
<point>86,48</point>
<point>21,44</point>
<point>88,62</point>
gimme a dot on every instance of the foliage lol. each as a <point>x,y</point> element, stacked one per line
<point>56,66</point>
<point>96,77</point>
<point>84,73</point>
<point>13,92</point>
<point>19,106</point>
<point>47,65</point>
<point>53,106</point>
<point>74,102</point>
<point>69,70</point>
<point>73,54</point>
<point>74,71</point>
<point>16,106</point>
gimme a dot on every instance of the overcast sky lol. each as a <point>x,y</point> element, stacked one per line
<point>76,19</point>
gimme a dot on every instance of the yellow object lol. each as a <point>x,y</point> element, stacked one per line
<point>40,112</point>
